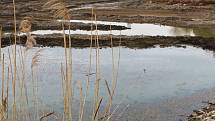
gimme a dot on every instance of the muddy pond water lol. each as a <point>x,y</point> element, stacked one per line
<point>146,77</point>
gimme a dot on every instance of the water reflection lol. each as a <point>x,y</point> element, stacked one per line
<point>136,29</point>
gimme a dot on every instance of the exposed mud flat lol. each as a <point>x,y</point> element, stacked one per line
<point>55,25</point>
<point>81,41</point>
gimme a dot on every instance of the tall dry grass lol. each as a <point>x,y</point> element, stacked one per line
<point>59,9</point>
<point>82,106</point>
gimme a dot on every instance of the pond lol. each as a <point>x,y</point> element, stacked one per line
<point>146,76</point>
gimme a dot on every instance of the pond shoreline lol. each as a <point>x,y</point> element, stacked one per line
<point>136,42</point>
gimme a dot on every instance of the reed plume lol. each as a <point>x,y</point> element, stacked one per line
<point>25,25</point>
<point>58,8</point>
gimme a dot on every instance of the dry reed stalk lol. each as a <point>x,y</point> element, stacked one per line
<point>112,91</point>
<point>10,63</point>
<point>14,76</point>
<point>0,40</point>
<point>70,72</point>
<point>63,79</point>
<point>108,107</point>
<point>2,94</point>
<point>7,98</point>
<point>66,98</point>
<point>60,11</point>
<point>97,110</point>
<point>118,63</point>
<point>97,84</point>
<point>30,41</point>
<point>23,88</point>
<point>34,63</point>
<point>89,69</point>
<point>81,100</point>
<point>46,115</point>
<point>4,101</point>
<point>115,80</point>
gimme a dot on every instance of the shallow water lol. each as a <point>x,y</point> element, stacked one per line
<point>145,75</point>
<point>137,29</point>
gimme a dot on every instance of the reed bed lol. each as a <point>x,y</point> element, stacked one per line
<point>16,74</point>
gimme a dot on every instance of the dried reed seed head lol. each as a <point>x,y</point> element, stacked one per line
<point>59,9</point>
<point>35,59</point>
<point>25,26</point>
<point>29,18</point>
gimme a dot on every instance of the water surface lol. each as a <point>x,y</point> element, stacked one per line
<point>145,75</point>
<point>143,29</point>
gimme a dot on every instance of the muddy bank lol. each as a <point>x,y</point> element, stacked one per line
<point>205,114</point>
<point>55,25</point>
<point>43,19</point>
<point>127,41</point>
<point>139,11</point>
